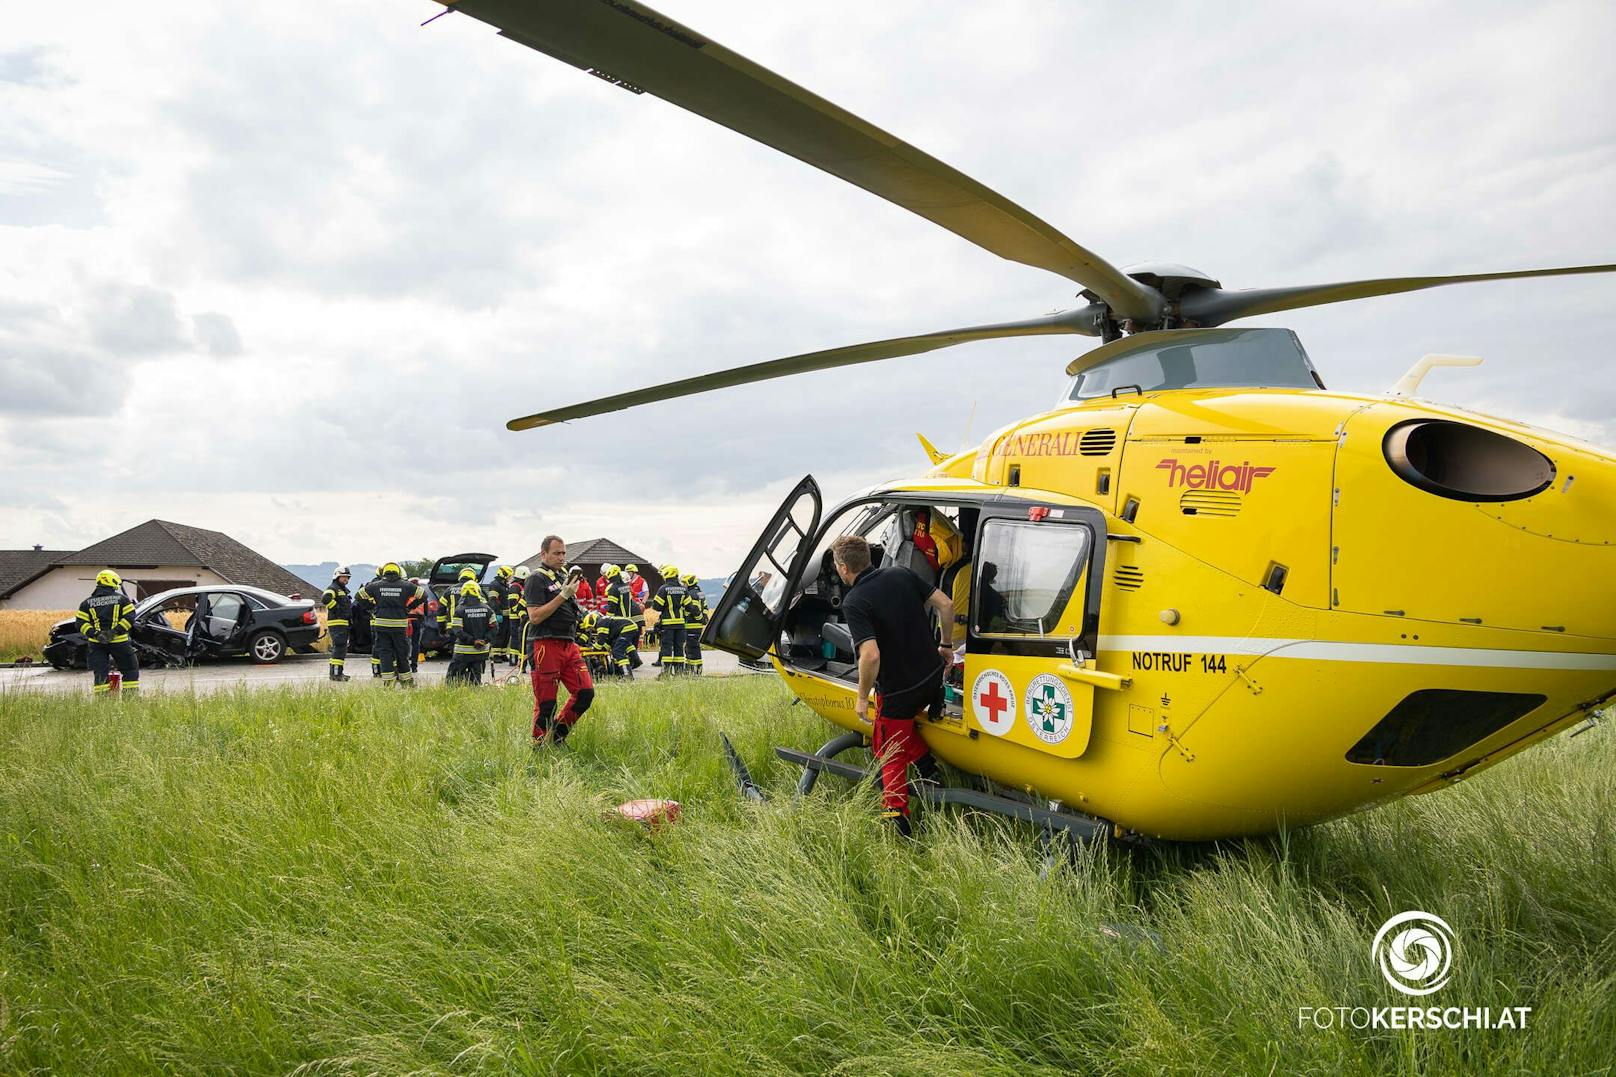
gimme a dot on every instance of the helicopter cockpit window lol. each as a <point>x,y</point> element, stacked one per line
<point>1026,575</point>
<point>1256,358</point>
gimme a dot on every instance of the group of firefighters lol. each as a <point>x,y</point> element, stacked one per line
<point>550,621</point>
<point>489,624</point>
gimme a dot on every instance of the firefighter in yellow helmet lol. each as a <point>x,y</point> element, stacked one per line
<point>620,618</point>
<point>105,619</point>
<point>471,627</point>
<point>695,621</point>
<point>498,595</point>
<point>516,615</point>
<point>669,604</point>
<point>391,597</point>
<point>451,599</point>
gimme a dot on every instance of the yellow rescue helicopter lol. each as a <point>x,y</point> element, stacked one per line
<point>1203,595</point>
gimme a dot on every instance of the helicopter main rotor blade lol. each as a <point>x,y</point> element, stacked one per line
<point>1079,322</point>
<point>641,50</point>
<point>1214,306</point>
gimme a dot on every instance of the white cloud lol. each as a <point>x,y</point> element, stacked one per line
<point>422,233</point>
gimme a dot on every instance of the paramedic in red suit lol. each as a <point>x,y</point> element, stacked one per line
<point>553,612</point>
<point>585,596</point>
<point>900,659</point>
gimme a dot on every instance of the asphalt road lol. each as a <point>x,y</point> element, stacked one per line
<point>302,670</point>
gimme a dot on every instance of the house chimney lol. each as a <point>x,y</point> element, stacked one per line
<point>38,548</point>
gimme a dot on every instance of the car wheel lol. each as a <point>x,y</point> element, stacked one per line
<point>266,647</point>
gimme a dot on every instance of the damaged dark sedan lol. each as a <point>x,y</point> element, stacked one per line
<point>220,621</point>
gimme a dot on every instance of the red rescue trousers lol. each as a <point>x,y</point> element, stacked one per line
<point>896,744</point>
<point>559,662</point>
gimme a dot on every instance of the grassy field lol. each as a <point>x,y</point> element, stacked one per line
<point>375,882</point>
<point>25,632</point>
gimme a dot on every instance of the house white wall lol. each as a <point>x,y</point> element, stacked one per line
<point>64,587</point>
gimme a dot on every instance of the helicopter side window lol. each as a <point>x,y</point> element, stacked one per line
<point>1027,573</point>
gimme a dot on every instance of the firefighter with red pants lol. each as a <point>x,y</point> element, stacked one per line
<point>669,604</point>
<point>338,603</point>
<point>391,596</point>
<point>553,614</point>
<point>886,611</point>
<point>695,621</point>
<point>420,610</point>
<point>498,591</point>
<point>104,619</point>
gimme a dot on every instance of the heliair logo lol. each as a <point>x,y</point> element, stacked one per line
<point>1214,475</point>
<point>1414,951</point>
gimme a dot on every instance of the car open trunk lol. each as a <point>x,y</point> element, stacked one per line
<point>446,570</point>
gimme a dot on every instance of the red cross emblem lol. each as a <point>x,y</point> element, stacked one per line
<point>992,702</point>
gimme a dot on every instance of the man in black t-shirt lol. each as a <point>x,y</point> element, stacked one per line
<point>552,610</point>
<point>898,657</point>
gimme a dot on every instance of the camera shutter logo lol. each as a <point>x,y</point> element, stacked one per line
<point>1414,951</point>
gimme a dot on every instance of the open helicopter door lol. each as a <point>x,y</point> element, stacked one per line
<point>1033,625</point>
<point>746,621</point>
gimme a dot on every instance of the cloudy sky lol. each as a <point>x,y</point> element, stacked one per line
<point>286,270</point>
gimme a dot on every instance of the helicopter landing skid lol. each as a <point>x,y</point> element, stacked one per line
<point>1071,826</point>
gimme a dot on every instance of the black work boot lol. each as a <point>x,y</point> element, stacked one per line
<point>900,823</point>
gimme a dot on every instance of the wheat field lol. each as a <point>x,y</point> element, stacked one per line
<point>25,632</point>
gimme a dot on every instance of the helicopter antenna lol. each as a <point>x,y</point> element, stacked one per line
<point>965,442</point>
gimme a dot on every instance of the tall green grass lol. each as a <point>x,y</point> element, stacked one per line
<point>374,882</point>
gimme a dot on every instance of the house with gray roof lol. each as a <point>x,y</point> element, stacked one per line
<point>155,556</point>
<point>592,554</point>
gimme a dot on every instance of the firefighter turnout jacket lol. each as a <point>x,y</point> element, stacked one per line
<point>472,621</point>
<point>498,591</point>
<point>338,603</point>
<point>106,616</point>
<point>695,609</point>
<point>392,600</point>
<point>620,602</point>
<point>671,604</point>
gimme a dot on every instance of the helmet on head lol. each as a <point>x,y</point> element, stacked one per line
<point>505,572</point>
<point>688,579</point>
<point>343,571</point>
<point>522,572</point>
<point>108,578</point>
<point>468,573</point>
<point>669,572</point>
<point>470,588</point>
<point>391,571</point>
<point>589,619</point>
<point>631,569</point>
<point>611,572</point>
